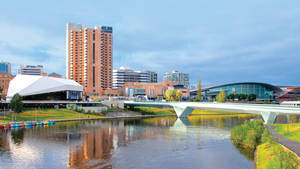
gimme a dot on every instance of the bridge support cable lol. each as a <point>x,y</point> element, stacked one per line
<point>183,111</point>
<point>269,117</point>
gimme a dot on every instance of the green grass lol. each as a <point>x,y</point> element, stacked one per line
<point>290,131</point>
<point>199,111</point>
<point>45,114</point>
<point>273,156</point>
<point>155,110</point>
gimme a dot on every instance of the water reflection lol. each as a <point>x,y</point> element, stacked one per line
<point>134,143</point>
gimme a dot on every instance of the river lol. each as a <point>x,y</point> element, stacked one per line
<point>145,143</point>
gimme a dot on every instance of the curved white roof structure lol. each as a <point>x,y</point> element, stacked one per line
<point>27,85</point>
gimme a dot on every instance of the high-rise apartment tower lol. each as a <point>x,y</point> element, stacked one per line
<point>90,57</point>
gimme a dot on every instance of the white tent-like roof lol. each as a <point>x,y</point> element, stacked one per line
<point>27,85</point>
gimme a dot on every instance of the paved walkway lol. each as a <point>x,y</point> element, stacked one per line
<point>290,144</point>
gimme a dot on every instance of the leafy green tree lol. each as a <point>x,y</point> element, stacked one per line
<point>221,97</point>
<point>178,94</point>
<point>199,89</point>
<point>16,103</point>
<point>252,97</point>
<point>242,97</point>
<point>230,97</point>
<point>170,95</point>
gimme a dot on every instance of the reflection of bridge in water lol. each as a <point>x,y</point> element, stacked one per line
<point>183,109</point>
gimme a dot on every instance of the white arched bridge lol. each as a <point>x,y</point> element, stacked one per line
<point>183,109</point>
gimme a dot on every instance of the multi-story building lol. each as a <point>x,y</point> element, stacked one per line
<point>120,77</point>
<point>5,68</point>
<point>4,84</point>
<point>31,70</point>
<point>152,90</point>
<point>90,57</point>
<point>178,77</point>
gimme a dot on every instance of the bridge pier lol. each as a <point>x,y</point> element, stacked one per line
<point>183,111</point>
<point>269,117</point>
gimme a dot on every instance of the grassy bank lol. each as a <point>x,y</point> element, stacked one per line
<point>45,114</point>
<point>199,111</point>
<point>290,131</point>
<point>270,154</point>
<point>155,110</point>
<point>273,156</point>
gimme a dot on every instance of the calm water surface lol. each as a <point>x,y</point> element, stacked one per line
<point>152,143</point>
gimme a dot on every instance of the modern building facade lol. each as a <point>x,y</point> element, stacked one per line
<point>90,57</point>
<point>123,75</point>
<point>178,77</point>
<point>289,93</point>
<point>5,68</point>
<point>32,87</point>
<point>262,91</point>
<point>31,70</point>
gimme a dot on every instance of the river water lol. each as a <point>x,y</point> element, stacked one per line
<point>150,143</point>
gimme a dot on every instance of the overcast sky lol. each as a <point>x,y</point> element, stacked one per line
<point>218,41</point>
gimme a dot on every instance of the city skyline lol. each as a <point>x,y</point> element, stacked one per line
<point>218,42</point>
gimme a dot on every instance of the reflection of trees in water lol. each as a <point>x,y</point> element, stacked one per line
<point>155,121</point>
<point>220,121</point>
<point>249,154</point>
<point>98,144</point>
<point>17,136</point>
<point>4,141</point>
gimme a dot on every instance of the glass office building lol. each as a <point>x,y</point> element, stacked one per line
<point>5,68</point>
<point>262,91</point>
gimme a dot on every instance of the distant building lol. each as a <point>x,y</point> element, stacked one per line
<point>289,93</point>
<point>55,75</point>
<point>5,68</point>
<point>31,70</point>
<point>4,83</point>
<point>263,91</point>
<point>90,57</point>
<point>123,75</point>
<point>178,77</point>
<point>44,88</point>
<point>152,90</point>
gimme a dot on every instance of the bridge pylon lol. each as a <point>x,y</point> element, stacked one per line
<point>183,111</point>
<point>269,117</point>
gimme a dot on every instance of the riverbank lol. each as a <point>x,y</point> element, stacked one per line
<point>45,114</point>
<point>253,135</point>
<point>64,115</point>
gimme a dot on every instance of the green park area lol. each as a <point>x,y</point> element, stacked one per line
<point>290,131</point>
<point>253,135</point>
<point>45,114</point>
<point>154,110</point>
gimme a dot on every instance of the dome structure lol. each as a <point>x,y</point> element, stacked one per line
<point>32,87</point>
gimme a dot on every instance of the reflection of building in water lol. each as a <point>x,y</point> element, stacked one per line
<point>98,144</point>
<point>4,141</point>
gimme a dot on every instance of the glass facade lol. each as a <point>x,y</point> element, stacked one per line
<point>262,91</point>
<point>5,68</point>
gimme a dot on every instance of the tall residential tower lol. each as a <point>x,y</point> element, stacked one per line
<point>89,57</point>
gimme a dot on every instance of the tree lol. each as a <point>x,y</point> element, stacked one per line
<point>178,94</point>
<point>221,97</point>
<point>252,97</point>
<point>16,103</point>
<point>199,89</point>
<point>168,95</point>
<point>242,97</point>
<point>230,97</point>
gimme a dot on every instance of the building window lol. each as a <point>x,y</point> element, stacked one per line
<point>93,53</point>
<point>94,37</point>
<point>93,76</point>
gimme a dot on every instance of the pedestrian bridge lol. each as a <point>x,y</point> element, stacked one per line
<point>183,109</point>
